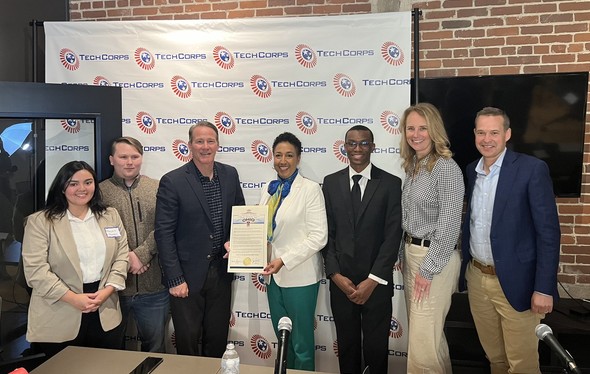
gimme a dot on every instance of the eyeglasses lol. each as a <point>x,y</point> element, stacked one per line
<point>364,144</point>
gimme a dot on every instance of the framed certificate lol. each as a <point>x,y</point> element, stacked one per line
<point>248,248</point>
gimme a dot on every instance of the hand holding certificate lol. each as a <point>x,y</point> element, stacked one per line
<point>248,239</point>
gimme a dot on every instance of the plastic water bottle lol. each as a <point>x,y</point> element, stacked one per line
<point>230,361</point>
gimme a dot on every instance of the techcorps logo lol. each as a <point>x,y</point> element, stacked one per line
<point>71,125</point>
<point>145,122</point>
<point>390,122</point>
<point>395,328</point>
<point>231,149</point>
<point>261,151</point>
<point>306,56</point>
<point>69,59</point>
<point>392,53</point>
<point>67,148</point>
<point>346,53</point>
<point>306,123</point>
<point>225,123</point>
<point>340,151</point>
<point>144,59</point>
<point>260,346</point>
<point>345,121</point>
<point>223,57</point>
<point>260,86</point>
<point>261,121</point>
<point>181,150</point>
<point>258,282</point>
<point>154,148</point>
<point>180,86</point>
<point>344,85</point>
<point>99,80</point>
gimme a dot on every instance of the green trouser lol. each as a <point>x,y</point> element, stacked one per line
<point>297,303</point>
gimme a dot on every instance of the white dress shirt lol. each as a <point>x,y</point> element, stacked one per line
<point>365,178</point>
<point>482,208</point>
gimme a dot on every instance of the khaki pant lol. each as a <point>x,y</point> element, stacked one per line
<point>507,336</point>
<point>428,351</point>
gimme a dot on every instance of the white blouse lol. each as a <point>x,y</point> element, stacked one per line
<point>90,245</point>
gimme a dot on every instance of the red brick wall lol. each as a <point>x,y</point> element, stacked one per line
<point>479,37</point>
<point>458,38</point>
<point>117,10</point>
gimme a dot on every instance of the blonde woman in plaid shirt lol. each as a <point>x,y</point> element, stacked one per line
<point>432,201</point>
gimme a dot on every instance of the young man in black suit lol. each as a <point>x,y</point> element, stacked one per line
<point>363,205</point>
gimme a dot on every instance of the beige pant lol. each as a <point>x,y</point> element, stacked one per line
<point>428,351</point>
<point>507,336</point>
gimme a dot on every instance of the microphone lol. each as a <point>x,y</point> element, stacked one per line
<point>545,334</point>
<point>285,326</point>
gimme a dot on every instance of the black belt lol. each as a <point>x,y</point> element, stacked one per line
<point>417,241</point>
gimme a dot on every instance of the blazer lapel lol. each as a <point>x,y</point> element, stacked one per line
<point>226,204</point>
<point>508,173</point>
<point>372,185</point>
<point>103,223</point>
<point>197,188</point>
<point>471,176</point>
<point>287,202</point>
<point>63,235</point>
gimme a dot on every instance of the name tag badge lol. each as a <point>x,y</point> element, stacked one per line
<point>112,232</point>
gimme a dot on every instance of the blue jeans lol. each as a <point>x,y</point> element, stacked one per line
<point>150,312</point>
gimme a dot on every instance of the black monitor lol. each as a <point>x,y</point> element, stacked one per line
<point>547,115</point>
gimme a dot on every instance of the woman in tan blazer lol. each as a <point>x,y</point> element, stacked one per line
<point>75,258</point>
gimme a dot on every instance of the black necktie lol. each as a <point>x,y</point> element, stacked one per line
<point>356,194</point>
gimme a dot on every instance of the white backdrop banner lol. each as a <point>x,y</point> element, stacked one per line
<point>254,79</point>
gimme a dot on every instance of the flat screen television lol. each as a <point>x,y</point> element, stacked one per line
<point>547,115</point>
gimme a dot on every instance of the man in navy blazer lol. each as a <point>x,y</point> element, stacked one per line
<point>510,246</point>
<point>360,254</point>
<point>193,211</point>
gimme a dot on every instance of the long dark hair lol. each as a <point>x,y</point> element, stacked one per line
<point>57,204</point>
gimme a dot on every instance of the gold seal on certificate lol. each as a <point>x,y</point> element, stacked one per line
<point>248,239</point>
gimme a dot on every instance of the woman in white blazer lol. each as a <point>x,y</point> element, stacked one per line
<point>298,230</point>
<point>75,258</point>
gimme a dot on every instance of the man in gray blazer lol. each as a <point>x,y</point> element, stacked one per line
<point>193,211</point>
<point>363,245</point>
